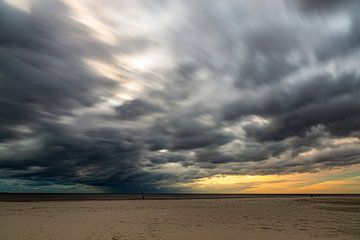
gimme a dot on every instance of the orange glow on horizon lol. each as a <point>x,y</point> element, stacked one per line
<point>339,180</point>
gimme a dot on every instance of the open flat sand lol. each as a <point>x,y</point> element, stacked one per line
<point>220,219</point>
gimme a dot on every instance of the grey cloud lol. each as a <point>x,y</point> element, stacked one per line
<point>322,5</point>
<point>40,76</point>
<point>248,91</point>
<point>190,135</point>
<point>134,109</point>
<point>43,78</point>
<point>292,111</point>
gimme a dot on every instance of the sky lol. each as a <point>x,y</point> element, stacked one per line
<point>235,96</point>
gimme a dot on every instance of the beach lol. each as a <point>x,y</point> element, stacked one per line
<point>234,218</point>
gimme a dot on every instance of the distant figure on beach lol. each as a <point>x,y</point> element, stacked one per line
<point>143,197</point>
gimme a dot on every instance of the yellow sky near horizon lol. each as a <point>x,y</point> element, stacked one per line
<point>340,180</point>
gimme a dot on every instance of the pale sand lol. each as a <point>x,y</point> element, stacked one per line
<point>220,219</point>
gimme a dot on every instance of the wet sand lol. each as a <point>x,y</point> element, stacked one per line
<point>220,219</point>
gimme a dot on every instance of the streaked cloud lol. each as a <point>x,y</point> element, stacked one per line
<point>166,95</point>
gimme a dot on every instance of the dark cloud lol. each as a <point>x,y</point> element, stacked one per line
<point>41,75</point>
<point>325,100</point>
<point>134,109</point>
<point>101,157</point>
<point>203,89</point>
<point>43,78</point>
<point>323,5</point>
<point>191,135</point>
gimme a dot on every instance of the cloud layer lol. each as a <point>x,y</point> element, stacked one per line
<point>143,96</point>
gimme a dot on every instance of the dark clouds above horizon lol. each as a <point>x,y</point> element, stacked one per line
<point>143,95</point>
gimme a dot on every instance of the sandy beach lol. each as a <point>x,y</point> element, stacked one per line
<point>245,218</point>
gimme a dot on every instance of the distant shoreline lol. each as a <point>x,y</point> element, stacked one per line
<point>38,197</point>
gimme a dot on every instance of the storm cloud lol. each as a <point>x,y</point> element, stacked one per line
<point>141,96</point>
